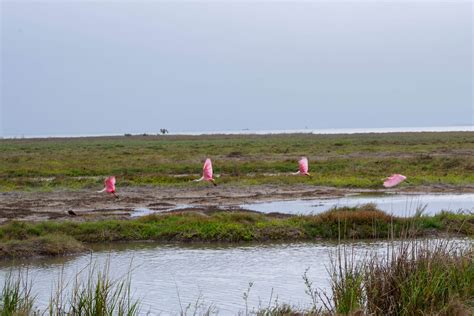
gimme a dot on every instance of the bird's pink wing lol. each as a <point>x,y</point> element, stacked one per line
<point>110,184</point>
<point>303,165</point>
<point>394,180</point>
<point>207,169</point>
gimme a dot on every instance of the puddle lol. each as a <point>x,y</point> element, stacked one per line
<point>143,211</point>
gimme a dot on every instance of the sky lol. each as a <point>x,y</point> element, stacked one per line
<point>114,67</point>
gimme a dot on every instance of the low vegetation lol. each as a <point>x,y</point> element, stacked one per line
<point>92,293</point>
<point>416,280</point>
<point>358,160</point>
<point>54,238</point>
<point>413,278</point>
<point>16,297</point>
<point>50,244</point>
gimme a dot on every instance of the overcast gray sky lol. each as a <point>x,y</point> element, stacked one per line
<point>92,67</point>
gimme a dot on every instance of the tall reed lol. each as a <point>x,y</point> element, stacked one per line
<point>92,293</point>
<point>16,297</point>
<point>95,293</point>
<point>413,278</point>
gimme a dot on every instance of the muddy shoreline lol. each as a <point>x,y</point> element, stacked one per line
<point>89,205</point>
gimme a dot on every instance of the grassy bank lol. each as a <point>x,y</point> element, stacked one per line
<point>225,226</point>
<point>335,160</point>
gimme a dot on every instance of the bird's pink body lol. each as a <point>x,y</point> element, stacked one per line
<point>110,184</point>
<point>393,180</point>
<point>303,166</point>
<point>207,170</point>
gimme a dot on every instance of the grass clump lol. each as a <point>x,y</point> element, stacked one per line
<point>419,280</point>
<point>47,245</point>
<point>16,297</point>
<point>346,284</point>
<point>414,278</point>
<point>92,293</point>
<point>96,294</point>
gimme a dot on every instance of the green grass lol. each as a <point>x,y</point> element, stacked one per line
<point>93,293</point>
<point>16,297</point>
<point>50,244</point>
<point>225,226</point>
<point>98,294</point>
<point>418,278</point>
<point>335,160</point>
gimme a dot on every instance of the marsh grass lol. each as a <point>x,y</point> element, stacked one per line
<point>414,278</point>
<point>92,293</point>
<point>346,282</point>
<point>419,279</point>
<point>46,245</point>
<point>335,160</point>
<point>16,297</point>
<point>97,294</point>
<point>19,239</point>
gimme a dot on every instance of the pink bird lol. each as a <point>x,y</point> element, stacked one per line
<point>109,186</point>
<point>207,172</point>
<point>303,167</point>
<point>393,180</point>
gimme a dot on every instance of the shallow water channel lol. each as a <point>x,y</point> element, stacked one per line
<point>396,204</point>
<point>167,278</point>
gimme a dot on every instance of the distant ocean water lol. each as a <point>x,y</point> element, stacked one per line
<point>464,128</point>
<point>460,128</point>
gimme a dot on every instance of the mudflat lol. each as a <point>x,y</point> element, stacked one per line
<point>89,205</point>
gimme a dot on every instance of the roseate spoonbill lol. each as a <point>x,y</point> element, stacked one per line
<point>109,186</point>
<point>303,167</point>
<point>207,172</point>
<point>393,180</point>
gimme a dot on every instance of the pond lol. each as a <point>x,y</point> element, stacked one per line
<point>168,277</point>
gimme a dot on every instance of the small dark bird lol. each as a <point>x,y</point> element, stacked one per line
<point>72,213</point>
